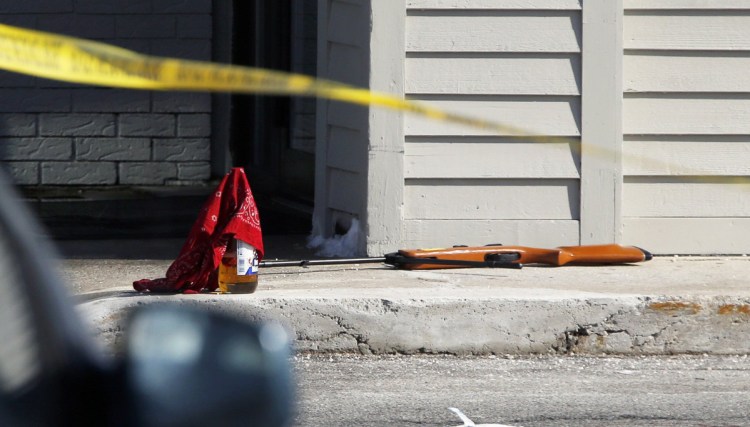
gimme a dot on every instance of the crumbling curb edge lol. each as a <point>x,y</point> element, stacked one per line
<point>617,325</point>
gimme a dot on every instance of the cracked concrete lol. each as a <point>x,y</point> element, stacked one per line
<point>568,310</point>
<point>667,326</point>
<point>666,306</point>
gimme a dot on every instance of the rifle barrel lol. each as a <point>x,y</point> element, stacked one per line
<point>305,262</point>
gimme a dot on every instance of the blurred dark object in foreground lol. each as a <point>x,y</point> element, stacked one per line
<point>180,367</point>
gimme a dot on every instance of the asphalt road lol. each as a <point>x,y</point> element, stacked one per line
<point>535,391</point>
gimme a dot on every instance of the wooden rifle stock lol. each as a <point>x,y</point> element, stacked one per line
<point>515,256</point>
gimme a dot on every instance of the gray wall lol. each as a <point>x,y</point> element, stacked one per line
<point>359,151</point>
<point>341,153</point>
<point>686,124</point>
<point>53,133</point>
<point>518,63</point>
<point>304,61</point>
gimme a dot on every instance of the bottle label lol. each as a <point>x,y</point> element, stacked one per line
<point>247,259</point>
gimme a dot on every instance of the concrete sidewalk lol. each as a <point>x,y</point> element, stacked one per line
<point>666,306</point>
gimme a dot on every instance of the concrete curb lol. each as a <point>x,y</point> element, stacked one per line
<point>580,323</point>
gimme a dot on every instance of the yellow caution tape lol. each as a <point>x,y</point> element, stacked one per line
<point>70,59</point>
<point>76,60</point>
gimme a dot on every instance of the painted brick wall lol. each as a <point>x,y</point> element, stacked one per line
<point>54,133</point>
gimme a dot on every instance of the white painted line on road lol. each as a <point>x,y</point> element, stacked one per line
<point>470,423</point>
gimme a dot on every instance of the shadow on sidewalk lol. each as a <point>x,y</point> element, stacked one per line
<point>282,247</point>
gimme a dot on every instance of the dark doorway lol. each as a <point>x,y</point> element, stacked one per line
<point>264,128</point>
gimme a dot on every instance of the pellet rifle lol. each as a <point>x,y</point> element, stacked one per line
<point>490,256</point>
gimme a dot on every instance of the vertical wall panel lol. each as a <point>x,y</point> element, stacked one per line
<point>343,55</point>
<point>385,174</point>
<point>601,168</point>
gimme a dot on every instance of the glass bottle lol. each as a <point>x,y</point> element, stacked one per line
<point>238,271</point>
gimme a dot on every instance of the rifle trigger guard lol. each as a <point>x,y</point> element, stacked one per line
<point>504,260</point>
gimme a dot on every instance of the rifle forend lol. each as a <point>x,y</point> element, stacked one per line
<point>515,256</point>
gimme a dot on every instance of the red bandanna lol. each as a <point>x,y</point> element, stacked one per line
<point>229,212</point>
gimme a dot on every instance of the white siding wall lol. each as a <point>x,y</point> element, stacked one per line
<point>658,90</point>
<point>686,119</point>
<point>517,62</point>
